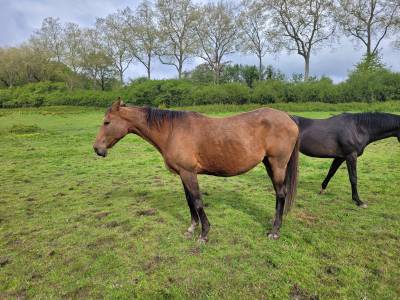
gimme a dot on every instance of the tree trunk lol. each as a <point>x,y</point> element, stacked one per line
<point>148,65</point>
<point>218,74</point>
<point>179,70</point>
<point>260,75</point>
<point>306,67</point>
<point>121,76</point>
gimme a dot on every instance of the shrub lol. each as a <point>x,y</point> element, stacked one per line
<point>229,93</point>
<point>364,84</point>
<point>270,91</point>
<point>380,85</point>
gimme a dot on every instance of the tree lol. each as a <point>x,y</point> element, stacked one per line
<point>302,25</point>
<point>202,73</point>
<point>49,38</point>
<point>216,31</point>
<point>369,63</point>
<point>142,33</point>
<point>254,25</point>
<point>112,30</point>
<point>240,73</point>
<point>177,20</point>
<point>96,63</point>
<point>368,21</point>
<point>10,71</point>
<point>73,41</point>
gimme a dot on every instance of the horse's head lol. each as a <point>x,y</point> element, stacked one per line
<point>113,129</point>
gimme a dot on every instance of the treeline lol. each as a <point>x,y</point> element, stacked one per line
<point>369,82</point>
<point>175,31</point>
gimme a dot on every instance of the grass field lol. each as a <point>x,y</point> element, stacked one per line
<point>76,226</point>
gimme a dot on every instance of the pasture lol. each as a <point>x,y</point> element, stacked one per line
<point>77,226</point>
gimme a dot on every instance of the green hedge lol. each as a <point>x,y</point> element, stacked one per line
<point>380,85</point>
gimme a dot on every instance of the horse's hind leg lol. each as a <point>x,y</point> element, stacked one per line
<point>191,185</point>
<point>332,170</point>
<point>193,213</point>
<point>276,172</point>
<point>351,161</point>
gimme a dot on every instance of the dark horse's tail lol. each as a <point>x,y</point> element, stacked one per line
<point>292,171</point>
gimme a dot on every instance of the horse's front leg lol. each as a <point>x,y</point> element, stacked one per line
<point>351,161</point>
<point>191,185</point>
<point>193,213</point>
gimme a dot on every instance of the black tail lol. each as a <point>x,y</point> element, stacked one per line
<point>292,171</point>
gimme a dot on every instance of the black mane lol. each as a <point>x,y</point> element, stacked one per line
<point>377,120</point>
<point>155,117</point>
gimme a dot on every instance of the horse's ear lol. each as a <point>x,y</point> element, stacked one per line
<point>117,104</point>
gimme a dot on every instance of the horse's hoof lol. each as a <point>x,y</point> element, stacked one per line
<point>202,240</point>
<point>322,191</point>
<point>364,205</point>
<point>273,236</point>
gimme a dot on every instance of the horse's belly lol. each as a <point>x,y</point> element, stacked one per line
<point>229,163</point>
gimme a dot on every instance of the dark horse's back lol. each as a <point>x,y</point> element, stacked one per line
<point>336,136</point>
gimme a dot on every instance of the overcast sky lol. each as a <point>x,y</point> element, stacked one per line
<point>19,18</point>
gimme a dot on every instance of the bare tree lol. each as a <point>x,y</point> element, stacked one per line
<point>112,30</point>
<point>369,21</point>
<point>177,19</point>
<point>302,25</point>
<point>142,33</point>
<point>50,38</point>
<point>255,31</point>
<point>216,31</point>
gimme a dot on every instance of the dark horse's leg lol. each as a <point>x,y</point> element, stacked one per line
<point>351,161</point>
<point>277,176</point>
<point>191,185</point>
<point>193,213</point>
<point>332,170</point>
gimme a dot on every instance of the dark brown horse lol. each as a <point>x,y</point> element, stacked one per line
<point>192,144</point>
<point>344,138</point>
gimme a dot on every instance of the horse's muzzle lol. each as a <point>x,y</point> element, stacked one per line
<point>100,152</point>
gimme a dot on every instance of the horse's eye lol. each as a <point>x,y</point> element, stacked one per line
<point>106,122</point>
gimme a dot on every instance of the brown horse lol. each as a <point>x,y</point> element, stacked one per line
<point>192,144</point>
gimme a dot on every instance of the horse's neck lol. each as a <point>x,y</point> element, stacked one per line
<point>382,132</point>
<point>138,125</point>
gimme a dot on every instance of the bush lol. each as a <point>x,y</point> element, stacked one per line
<point>229,93</point>
<point>270,91</point>
<point>376,84</point>
<point>380,85</point>
<point>158,92</point>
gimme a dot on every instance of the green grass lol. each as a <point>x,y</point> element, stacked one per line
<point>76,226</point>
